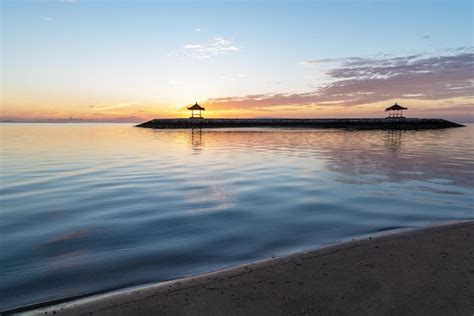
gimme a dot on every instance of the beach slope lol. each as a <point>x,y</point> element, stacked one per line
<point>419,272</point>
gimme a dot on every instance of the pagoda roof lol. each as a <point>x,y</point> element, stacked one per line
<point>196,107</point>
<point>395,107</point>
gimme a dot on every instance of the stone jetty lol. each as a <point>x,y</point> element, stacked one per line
<point>358,124</point>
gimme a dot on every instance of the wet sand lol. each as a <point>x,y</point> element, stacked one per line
<point>418,272</point>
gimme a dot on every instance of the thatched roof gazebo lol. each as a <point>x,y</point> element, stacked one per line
<point>395,111</point>
<point>196,107</point>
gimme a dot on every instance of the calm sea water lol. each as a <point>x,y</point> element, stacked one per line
<point>91,207</point>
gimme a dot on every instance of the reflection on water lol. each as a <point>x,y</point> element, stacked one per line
<point>137,205</point>
<point>196,139</point>
<point>394,139</point>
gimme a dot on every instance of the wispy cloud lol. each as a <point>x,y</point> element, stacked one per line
<point>69,1</point>
<point>319,61</point>
<point>175,82</point>
<point>231,78</point>
<point>46,18</point>
<point>214,47</point>
<point>113,106</point>
<point>357,81</point>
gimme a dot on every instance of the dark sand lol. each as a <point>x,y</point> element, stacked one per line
<point>420,272</point>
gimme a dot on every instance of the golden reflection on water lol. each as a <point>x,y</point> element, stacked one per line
<point>396,154</point>
<point>196,139</point>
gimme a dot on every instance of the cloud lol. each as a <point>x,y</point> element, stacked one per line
<point>357,81</point>
<point>175,82</point>
<point>319,61</point>
<point>198,30</point>
<point>214,47</point>
<point>226,78</point>
<point>468,108</point>
<point>113,106</point>
<point>46,18</point>
<point>231,78</point>
<point>69,1</point>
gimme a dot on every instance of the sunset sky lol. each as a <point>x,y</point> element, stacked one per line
<point>137,60</point>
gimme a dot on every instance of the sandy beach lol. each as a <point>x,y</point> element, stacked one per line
<point>428,271</point>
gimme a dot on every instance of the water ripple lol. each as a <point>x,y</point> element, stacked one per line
<point>135,205</point>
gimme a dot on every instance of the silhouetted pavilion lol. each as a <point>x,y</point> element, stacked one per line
<point>196,107</point>
<point>395,111</point>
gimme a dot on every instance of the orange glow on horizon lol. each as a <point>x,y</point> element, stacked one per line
<point>137,112</point>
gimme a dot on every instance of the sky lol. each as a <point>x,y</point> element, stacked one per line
<point>119,61</point>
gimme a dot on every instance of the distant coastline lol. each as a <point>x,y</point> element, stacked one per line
<point>67,121</point>
<point>359,124</point>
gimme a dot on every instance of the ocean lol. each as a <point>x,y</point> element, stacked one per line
<point>87,208</point>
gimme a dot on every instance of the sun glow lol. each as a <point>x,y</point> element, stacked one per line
<point>79,63</point>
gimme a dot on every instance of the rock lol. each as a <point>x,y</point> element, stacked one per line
<point>356,124</point>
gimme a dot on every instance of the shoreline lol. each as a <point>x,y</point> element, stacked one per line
<point>355,124</point>
<point>420,271</point>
